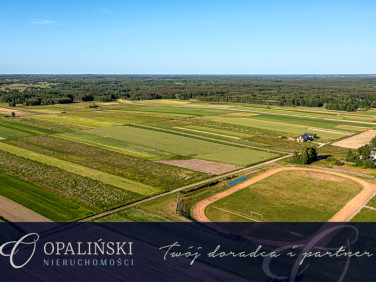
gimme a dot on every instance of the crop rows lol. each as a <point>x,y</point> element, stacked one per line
<point>116,145</point>
<point>143,176</point>
<point>185,146</point>
<point>271,125</point>
<point>80,121</point>
<point>42,201</point>
<point>9,129</point>
<point>90,193</point>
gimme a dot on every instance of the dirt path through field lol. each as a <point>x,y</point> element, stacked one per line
<point>344,214</point>
<point>14,212</point>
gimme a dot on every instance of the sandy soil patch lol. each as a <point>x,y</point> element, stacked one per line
<point>14,212</point>
<point>324,176</point>
<point>356,141</point>
<point>6,111</point>
<point>202,165</point>
<point>65,124</point>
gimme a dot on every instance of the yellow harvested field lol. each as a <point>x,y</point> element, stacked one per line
<point>354,142</point>
<point>7,111</point>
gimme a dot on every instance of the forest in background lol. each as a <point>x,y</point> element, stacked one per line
<point>333,92</point>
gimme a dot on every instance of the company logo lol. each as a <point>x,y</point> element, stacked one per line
<point>62,253</point>
<point>15,246</point>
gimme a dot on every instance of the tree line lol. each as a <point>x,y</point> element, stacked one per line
<point>346,93</point>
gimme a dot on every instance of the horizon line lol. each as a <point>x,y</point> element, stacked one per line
<point>197,74</point>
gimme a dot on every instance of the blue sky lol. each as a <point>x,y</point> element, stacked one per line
<point>188,37</point>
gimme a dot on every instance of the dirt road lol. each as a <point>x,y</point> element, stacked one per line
<point>14,212</point>
<point>343,215</point>
<point>221,177</point>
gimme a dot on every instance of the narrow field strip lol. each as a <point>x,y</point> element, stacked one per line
<point>103,177</point>
<point>206,132</point>
<point>284,127</point>
<point>115,145</point>
<point>44,203</point>
<point>80,121</point>
<point>182,143</point>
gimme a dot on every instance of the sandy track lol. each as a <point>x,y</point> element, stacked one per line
<point>344,214</point>
<point>14,212</point>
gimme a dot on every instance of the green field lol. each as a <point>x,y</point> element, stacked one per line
<point>86,192</point>
<point>372,202</point>
<point>144,176</point>
<point>185,146</point>
<point>85,171</point>
<point>365,215</point>
<point>132,215</point>
<point>218,131</point>
<point>285,196</point>
<point>91,159</point>
<point>322,123</point>
<point>44,125</point>
<point>79,121</point>
<point>41,200</point>
<point>124,116</point>
<point>9,129</point>
<point>181,110</point>
<point>116,145</point>
<point>272,125</point>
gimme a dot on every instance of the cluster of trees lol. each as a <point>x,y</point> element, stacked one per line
<point>348,93</point>
<point>307,156</point>
<point>362,156</point>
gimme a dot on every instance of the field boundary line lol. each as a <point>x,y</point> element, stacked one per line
<point>103,177</point>
<point>220,177</point>
<point>212,139</point>
<point>235,214</point>
<point>291,115</point>
<point>15,212</point>
<point>207,132</point>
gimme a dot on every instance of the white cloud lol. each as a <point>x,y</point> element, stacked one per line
<point>103,11</point>
<point>157,14</point>
<point>43,22</point>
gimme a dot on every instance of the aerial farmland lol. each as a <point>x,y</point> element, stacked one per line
<point>161,159</point>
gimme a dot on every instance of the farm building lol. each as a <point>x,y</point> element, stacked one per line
<point>372,155</point>
<point>306,137</point>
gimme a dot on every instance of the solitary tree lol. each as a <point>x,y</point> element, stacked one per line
<point>350,156</point>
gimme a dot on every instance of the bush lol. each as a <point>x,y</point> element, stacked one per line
<point>93,106</point>
<point>338,162</point>
<point>368,164</point>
